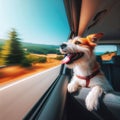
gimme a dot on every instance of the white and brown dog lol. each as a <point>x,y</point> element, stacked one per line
<point>81,58</point>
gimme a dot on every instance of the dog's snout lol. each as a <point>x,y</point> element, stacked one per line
<point>63,46</point>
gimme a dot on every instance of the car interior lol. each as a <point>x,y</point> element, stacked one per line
<point>85,17</point>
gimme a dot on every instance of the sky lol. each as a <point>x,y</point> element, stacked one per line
<point>36,21</point>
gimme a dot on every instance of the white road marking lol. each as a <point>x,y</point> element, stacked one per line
<point>17,98</point>
<point>27,78</point>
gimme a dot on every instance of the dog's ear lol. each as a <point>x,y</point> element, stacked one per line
<point>94,38</point>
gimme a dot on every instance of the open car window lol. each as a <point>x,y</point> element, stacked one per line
<point>30,36</point>
<point>31,32</point>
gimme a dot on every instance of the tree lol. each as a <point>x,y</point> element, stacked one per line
<point>12,50</point>
<point>5,51</point>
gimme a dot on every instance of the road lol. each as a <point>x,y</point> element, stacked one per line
<point>17,98</point>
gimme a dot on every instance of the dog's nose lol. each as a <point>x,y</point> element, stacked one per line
<point>63,46</point>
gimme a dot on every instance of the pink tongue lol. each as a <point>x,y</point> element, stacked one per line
<point>66,60</point>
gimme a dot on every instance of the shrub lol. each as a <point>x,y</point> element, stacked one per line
<point>42,59</point>
<point>59,57</point>
<point>32,58</point>
<point>26,62</point>
<point>36,59</point>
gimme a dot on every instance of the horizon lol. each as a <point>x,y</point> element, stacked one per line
<point>32,43</point>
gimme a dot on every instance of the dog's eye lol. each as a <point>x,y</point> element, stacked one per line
<point>77,42</point>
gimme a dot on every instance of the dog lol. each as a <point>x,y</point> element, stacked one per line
<point>79,56</point>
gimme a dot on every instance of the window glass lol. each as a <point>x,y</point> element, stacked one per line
<point>106,51</point>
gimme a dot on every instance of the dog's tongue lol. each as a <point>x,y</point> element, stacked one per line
<point>66,59</point>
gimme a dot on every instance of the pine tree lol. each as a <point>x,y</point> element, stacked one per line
<point>12,50</point>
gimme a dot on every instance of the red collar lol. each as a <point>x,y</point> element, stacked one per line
<point>87,78</point>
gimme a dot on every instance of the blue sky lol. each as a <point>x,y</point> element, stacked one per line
<point>36,21</point>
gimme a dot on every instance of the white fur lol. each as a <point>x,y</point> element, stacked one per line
<point>84,67</point>
<point>92,98</point>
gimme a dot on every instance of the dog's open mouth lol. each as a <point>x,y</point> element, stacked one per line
<point>71,57</point>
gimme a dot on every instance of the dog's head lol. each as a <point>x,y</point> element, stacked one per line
<point>79,49</point>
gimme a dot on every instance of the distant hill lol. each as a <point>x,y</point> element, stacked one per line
<point>37,48</point>
<point>40,48</point>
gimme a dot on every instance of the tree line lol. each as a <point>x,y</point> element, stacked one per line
<point>14,52</point>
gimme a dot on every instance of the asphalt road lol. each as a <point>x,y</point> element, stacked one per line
<point>17,98</point>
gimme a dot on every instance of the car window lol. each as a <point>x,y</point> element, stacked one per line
<point>106,51</point>
<point>30,34</point>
